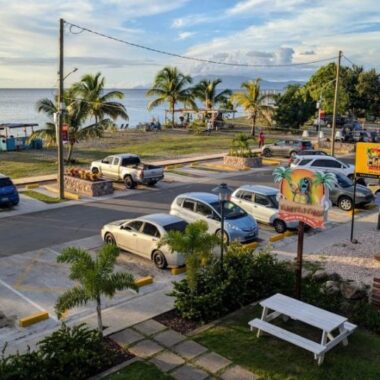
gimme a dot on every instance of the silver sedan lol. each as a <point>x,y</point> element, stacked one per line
<point>142,235</point>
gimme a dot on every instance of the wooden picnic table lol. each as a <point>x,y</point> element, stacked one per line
<point>288,307</point>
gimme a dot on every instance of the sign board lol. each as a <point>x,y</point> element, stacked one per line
<point>304,195</point>
<point>65,133</point>
<point>367,160</point>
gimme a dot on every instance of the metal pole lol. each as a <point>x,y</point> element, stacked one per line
<point>353,215</point>
<point>222,242</point>
<point>319,120</point>
<point>301,230</point>
<point>335,103</point>
<point>60,113</point>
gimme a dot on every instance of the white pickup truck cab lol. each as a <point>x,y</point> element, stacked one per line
<point>129,169</point>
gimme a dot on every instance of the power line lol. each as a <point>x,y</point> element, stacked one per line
<point>84,29</point>
<point>349,60</point>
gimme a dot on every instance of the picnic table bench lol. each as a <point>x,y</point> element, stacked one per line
<point>288,307</point>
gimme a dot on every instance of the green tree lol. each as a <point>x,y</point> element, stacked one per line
<point>170,86</point>
<point>95,278</point>
<point>368,91</point>
<point>294,107</point>
<point>252,101</point>
<point>206,92</point>
<point>100,103</point>
<point>196,244</point>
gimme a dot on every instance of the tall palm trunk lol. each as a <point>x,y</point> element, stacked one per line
<point>253,129</point>
<point>99,314</point>
<point>173,109</point>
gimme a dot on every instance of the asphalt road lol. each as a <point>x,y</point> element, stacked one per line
<point>43,229</point>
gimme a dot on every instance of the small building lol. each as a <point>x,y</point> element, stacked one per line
<point>15,136</point>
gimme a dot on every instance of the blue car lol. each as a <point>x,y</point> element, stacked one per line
<point>8,192</point>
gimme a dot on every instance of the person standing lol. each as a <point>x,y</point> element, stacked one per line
<point>209,126</point>
<point>261,139</point>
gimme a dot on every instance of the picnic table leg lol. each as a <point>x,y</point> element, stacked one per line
<point>323,343</point>
<point>263,317</point>
<point>345,340</point>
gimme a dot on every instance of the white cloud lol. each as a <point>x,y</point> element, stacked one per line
<point>185,35</point>
<point>259,6</point>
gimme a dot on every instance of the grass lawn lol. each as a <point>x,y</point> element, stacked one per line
<point>139,371</point>
<point>271,358</point>
<point>41,197</point>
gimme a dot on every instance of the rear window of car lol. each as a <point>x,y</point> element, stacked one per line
<point>5,182</point>
<point>129,161</point>
<point>306,145</point>
<point>179,226</point>
<point>304,162</point>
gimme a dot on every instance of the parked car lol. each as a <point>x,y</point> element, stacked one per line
<point>142,235</point>
<point>129,169</point>
<point>238,224</point>
<point>286,148</point>
<point>323,163</point>
<point>308,153</point>
<point>342,193</point>
<point>261,202</point>
<point>8,192</point>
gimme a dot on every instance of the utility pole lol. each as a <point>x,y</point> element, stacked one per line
<point>61,109</point>
<point>335,103</point>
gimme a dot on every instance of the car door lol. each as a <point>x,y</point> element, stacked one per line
<point>147,240</point>
<point>204,212</point>
<point>261,205</point>
<point>244,199</point>
<point>106,166</point>
<point>278,147</point>
<point>128,235</point>
<point>187,211</point>
<point>114,168</point>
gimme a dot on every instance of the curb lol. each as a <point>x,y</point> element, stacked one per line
<point>114,369</point>
<point>176,271</point>
<point>276,237</point>
<point>67,195</point>
<point>34,318</point>
<point>143,281</point>
<point>253,245</point>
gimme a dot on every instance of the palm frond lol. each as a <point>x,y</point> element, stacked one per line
<point>71,298</point>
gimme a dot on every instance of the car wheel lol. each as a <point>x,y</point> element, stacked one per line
<point>267,152</point>
<point>345,203</point>
<point>109,239</point>
<point>152,183</point>
<point>129,182</point>
<point>280,226</point>
<point>95,171</point>
<point>159,260</point>
<point>351,176</point>
<point>225,236</point>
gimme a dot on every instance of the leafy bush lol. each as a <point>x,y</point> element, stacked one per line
<point>240,146</point>
<point>197,127</point>
<point>69,353</point>
<point>246,277</point>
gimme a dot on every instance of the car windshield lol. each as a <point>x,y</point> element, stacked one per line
<point>179,226</point>
<point>5,182</point>
<point>231,211</point>
<point>273,199</point>
<point>343,181</point>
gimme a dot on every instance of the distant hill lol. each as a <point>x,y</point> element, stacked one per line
<point>234,81</point>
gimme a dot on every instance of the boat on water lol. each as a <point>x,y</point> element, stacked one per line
<point>16,136</point>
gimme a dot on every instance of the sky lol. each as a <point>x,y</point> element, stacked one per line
<point>264,32</point>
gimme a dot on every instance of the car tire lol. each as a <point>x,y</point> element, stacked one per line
<point>109,239</point>
<point>159,260</point>
<point>267,152</point>
<point>152,183</point>
<point>129,182</point>
<point>279,225</point>
<point>225,236</point>
<point>95,171</point>
<point>351,177</point>
<point>345,203</point>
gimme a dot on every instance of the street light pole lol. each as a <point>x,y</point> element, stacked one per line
<point>335,103</point>
<point>61,108</point>
<point>222,228</point>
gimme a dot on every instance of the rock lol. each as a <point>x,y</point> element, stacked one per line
<point>306,273</point>
<point>331,287</point>
<point>320,275</point>
<point>353,290</point>
<point>335,276</point>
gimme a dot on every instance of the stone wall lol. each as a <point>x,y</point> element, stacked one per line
<point>243,162</point>
<point>88,188</point>
<point>339,146</point>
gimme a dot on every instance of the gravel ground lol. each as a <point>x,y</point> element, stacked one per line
<point>352,261</point>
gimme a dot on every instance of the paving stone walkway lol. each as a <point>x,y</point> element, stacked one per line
<point>177,354</point>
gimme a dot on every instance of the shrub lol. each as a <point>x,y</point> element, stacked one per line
<point>69,353</point>
<point>197,127</point>
<point>240,146</point>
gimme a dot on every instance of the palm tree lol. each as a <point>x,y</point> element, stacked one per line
<point>206,91</point>
<point>196,244</point>
<point>252,102</point>
<point>95,278</point>
<point>327,179</point>
<point>100,103</point>
<point>282,173</point>
<point>170,86</point>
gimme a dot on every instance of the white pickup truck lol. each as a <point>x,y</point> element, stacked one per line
<point>129,169</point>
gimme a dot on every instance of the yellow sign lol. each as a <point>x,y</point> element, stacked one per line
<point>367,160</point>
<point>304,195</point>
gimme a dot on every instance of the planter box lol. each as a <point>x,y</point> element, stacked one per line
<point>243,162</point>
<point>88,188</point>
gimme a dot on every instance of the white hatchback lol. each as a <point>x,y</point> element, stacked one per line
<point>142,235</point>
<point>323,163</point>
<point>261,202</point>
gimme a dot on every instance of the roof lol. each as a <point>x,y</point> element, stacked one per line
<point>161,219</point>
<point>17,125</point>
<point>265,190</point>
<point>124,155</point>
<point>199,196</point>
<point>322,156</point>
